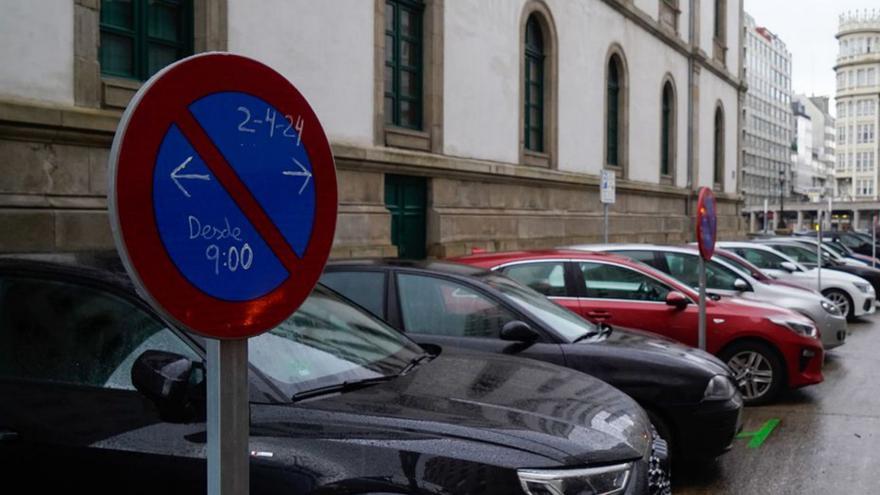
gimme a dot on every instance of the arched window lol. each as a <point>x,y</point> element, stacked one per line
<point>667,130</point>
<point>718,157</point>
<point>615,113</point>
<point>534,86</point>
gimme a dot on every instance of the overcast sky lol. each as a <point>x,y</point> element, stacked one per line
<point>807,27</point>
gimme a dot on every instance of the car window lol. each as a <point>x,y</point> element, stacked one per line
<point>761,259</point>
<point>684,267</point>
<point>604,281</point>
<point>442,307</point>
<point>646,257</point>
<point>546,277</point>
<point>850,241</point>
<point>326,342</point>
<point>800,254</point>
<point>364,288</point>
<point>69,333</point>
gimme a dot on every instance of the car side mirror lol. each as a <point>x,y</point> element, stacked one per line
<point>676,299</point>
<point>172,382</point>
<point>741,285</point>
<point>518,331</point>
<point>788,266</point>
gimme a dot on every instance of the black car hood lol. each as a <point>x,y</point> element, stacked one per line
<point>641,344</point>
<point>524,413</point>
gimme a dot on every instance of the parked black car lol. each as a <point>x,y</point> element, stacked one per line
<point>808,259</point>
<point>855,241</point>
<point>339,403</point>
<point>689,394</point>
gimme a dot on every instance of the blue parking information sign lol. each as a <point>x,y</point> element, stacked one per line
<point>223,195</point>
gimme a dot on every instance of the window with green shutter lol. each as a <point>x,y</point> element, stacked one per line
<point>534,86</point>
<point>403,63</point>
<point>612,120</point>
<point>140,37</point>
<point>666,137</point>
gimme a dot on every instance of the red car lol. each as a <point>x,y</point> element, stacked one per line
<point>767,347</point>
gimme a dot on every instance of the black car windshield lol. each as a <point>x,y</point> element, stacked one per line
<point>326,342</point>
<point>569,325</point>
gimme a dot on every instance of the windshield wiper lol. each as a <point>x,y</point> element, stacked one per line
<point>338,388</point>
<point>415,362</point>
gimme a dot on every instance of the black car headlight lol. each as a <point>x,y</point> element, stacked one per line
<point>802,328</point>
<point>605,480</point>
<point>720,387</point>
<point>830,307</point>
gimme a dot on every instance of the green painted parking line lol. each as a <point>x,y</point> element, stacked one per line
<point>758,437</point>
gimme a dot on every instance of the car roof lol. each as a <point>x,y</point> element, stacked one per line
<point>100,265</point>
<point>433,265</point>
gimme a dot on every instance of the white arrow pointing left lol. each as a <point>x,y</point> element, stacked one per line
<point>302,172</point>
<point>176,176</point>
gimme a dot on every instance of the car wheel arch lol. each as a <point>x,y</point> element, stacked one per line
<point>759,340</point>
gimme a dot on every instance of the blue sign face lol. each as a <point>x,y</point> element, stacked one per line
<point>203,228</point>
<point>708,224</point>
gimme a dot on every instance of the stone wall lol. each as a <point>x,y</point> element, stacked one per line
<point>53,191</point>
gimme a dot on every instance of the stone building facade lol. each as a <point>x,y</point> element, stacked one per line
<point>455,124</point>
<point>858,106</point>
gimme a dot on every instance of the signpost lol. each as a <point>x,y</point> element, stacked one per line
<point>223,206</point>
<point>607,195</point>
<point>766,218</point>
<point>874,241</point>
<point>706,228</point>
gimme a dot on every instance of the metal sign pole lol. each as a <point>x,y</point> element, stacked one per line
<point>228,417</point>
<point>874,241</point>
<point>605,207</point>
<point>702,318</point>
<point>819,250</point>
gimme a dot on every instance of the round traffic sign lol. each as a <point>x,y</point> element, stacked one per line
<point>222,195</point>
<point>706,223</point>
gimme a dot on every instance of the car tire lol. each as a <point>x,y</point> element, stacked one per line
<point>751,362</point>
<point>840,298</point>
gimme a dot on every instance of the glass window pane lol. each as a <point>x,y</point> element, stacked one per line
<point>389,16</point>
<point>389,110</point>
<point>364,288</point>
<point>158,56</point>
<point>117,57</point>
<point>536,140</point>
<point>408,115</point>
<point>408,53</point>
<point>59,332</point>
<point>534,94</point>
<point>163,21</point>
<point>441,307</point>
<point>389,49</point>
<point>409,83</point>
<point>616,282</point>
<point>117,13</point>
<point>547,278</point>
<point>389,79</point>
<point>408,23</point>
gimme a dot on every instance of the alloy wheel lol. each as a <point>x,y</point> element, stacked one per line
<point>752,372</point>
<point>840,300</point>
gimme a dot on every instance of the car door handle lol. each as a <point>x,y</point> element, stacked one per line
<point>599,315</point>
<point>7,435</point>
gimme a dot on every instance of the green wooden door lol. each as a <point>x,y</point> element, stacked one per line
<point>405,198</point>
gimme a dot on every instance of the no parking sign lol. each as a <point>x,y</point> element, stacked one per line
<point>223,195</point>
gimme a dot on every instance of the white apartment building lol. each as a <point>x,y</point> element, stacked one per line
<point>812,157</point>
<point>455,124</point>
<point>858,100</point>
<point>767,117</point>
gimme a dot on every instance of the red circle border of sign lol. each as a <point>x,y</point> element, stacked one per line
<point>706,194</point>
<point>132,163</point>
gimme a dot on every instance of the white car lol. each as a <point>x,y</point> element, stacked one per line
<point>853,295</point>
<point>811,243</point>
<point>727,279</point>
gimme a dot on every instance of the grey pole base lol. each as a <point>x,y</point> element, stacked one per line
<point>228,418</point>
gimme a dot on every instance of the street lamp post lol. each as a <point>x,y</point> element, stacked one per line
<point>781,223</point>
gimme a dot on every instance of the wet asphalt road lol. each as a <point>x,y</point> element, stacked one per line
<point>827,440</point>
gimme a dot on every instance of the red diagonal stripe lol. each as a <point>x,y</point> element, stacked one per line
<point>236,189</point>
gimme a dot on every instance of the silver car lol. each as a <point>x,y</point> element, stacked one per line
<point>726,278</point>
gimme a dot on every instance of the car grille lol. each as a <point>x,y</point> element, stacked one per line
<point>659,477</point>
